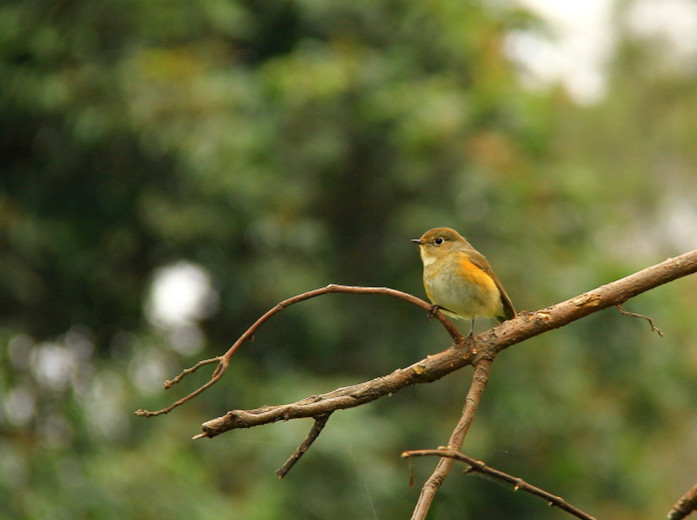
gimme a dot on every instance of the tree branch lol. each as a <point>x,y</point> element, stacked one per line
<point>434,367</point>
<point>316,429</point>
<point>223,361</point>
<point>425,371</point>
<point>474,395</point>
<point>477,466</point>
<point>684,506</point>
<point>483,350</point>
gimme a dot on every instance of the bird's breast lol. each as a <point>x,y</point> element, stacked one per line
<point>455,283</point>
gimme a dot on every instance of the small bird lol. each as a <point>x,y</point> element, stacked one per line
<point>458,279</point>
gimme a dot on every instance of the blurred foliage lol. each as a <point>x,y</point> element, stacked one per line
<point>281,146</point>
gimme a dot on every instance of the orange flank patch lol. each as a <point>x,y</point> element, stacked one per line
<point>476,275</point>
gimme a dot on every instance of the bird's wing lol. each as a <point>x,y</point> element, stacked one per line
<point>479,260</point>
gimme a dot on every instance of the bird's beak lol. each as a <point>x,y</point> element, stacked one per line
<point>417,241</point>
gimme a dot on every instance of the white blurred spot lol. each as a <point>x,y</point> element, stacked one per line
<point>180,294</point>
<point>19,406</point>
<point>186,340</point>
<point>53,365</point>
<point>576,54</point>
<point>672,21</point>
<point>80,340</point>
<point>55,431</point>
<point>104,404</point>
<point>149,368</point>
<point>678,221</point>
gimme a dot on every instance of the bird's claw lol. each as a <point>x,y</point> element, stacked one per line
<point>432,311</point>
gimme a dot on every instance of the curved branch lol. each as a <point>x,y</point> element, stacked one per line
<point>224,360</point>
<point>488,344</point>
<point>478,466</point>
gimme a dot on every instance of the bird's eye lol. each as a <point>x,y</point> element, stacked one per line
<point>438,241</point>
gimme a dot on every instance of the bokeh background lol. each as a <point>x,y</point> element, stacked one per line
<point>169,170</point>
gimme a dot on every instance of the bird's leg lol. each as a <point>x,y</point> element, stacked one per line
<point>471,334</point>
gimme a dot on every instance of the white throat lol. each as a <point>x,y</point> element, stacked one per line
<point>427,260</point>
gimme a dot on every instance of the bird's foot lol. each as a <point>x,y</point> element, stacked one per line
<point>432,311</point>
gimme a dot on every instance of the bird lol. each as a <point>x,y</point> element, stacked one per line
<point>458,279</point>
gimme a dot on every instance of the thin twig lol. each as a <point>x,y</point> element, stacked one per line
<point>224,360</point>
<point>474,395</point>
<point>686,505</point>
<point>217,374</point>
<point>314,432</point>
<point>171,382</point>
<point>641,316</point>
<point>479,467</point>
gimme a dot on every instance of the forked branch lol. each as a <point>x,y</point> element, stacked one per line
<point>477,466</point>
<point>488,344</point>
<point>223,361</point>
<point>474,395</point>
<point>480,353</point>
